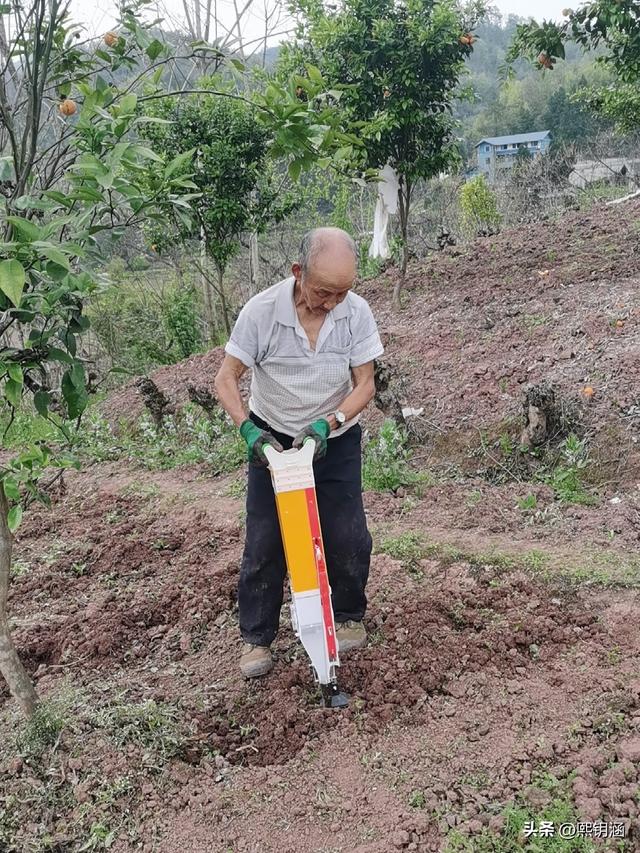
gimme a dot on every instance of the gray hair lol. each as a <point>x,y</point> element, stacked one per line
<point>317,239</point>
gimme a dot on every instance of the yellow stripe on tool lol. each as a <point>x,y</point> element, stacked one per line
<point>297,539</point>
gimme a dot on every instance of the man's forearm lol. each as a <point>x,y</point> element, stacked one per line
<point>230,399</point>
<point>356,401</point>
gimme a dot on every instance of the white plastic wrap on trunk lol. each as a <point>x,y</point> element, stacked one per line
<point>387,203</point>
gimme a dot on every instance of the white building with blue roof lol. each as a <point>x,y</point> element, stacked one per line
<point>498,153</point>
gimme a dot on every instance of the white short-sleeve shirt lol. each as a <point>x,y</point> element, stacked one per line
<point>293,385</point>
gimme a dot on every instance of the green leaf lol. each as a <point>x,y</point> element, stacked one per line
<point>155,49</point>
<point>146,153</point>
<point>56,256</point>
<point>179,162</point>
<point>153,119</point>
<point>86,193</point>
<point>55,271</point>
<point>12,279</point>
<point>6,168</point>
<point>14,517</point>
<point>314,74</point>
<point>295,167</point>
<point>70,341</point>
<point>77,375</point>
<point>11,489</point>
<point>56,354</point>
<point>101,84</point>
<point>105,180</point>
<point>23,316</point>
<point>13,391</point>
<point>25,229</point>
<point>79,324</point>
<point>75,395</point>
<point>42,401</point>
<point>61,198</point>
<point>15,372</point>
<point>240,66</point>
<point>186,183</point>
<point>128,104</point>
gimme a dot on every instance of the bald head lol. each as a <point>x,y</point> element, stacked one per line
<point>327,268</point>
<point>326,241</point>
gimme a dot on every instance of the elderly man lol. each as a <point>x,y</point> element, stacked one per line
<point>310,342</point>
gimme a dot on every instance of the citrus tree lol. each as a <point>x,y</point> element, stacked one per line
<point>225,146</point>
<point>395,67</point>
<point>479,204</point>
<point>613,26</point>
<point>74,178</point>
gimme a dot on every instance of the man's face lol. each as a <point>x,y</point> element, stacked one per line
<point>327,281</point>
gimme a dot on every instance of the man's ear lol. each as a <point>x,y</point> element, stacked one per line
<point>296,269</point>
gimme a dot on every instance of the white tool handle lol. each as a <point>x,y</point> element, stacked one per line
<point>290,458</point>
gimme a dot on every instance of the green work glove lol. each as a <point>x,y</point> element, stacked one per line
<point>256,439</point>
<point>318,431</point>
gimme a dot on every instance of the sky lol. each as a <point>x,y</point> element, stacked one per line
<point>99,15</point>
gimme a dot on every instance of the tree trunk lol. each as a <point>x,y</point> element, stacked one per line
<point>11,668</point>
<point>404,198</point>
<point>254,262</point>
<point>209,318</point>
<point>223,301</point>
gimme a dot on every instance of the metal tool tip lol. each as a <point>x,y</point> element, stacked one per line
<point>332,697</point>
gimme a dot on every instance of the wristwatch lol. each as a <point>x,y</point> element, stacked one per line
<point>340,417</point>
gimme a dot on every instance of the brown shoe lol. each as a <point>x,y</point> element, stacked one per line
<point>350,635</point>
<point>255,660</point>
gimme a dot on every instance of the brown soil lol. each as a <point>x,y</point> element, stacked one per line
<point>488,663</point>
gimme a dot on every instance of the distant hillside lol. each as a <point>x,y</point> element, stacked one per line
<point>554,301</point>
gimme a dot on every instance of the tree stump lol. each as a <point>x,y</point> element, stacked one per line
<point>155,400</point>
<point>204,398</point>
<point>547,415</point>
<point>386,398</point>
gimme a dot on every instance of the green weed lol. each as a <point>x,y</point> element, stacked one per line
<point>386,460</point>
<point>417,800</point>
<point>409,548</point>
<point>43,729</point>
<point>528,503</point>
<point>149,724</point>
<point>19,568</point>
<point>101,837</point>
<point>186,438</point>
<point>520,819</point>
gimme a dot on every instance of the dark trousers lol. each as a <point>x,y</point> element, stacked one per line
<point>347,541</point>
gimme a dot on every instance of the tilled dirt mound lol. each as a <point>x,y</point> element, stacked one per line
<point>123,583</point>
<point>425,643</point>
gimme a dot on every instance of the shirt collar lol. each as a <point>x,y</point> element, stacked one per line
<point>286,310</point>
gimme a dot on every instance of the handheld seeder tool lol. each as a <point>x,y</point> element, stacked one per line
<point>311,611</point>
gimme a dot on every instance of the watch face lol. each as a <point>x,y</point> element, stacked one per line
<point>341,417</point>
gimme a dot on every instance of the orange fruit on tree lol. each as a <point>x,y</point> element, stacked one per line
<point>467,39</point>
<point>67,107</point>
<point>111,38</point>
<point>545,60</point>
